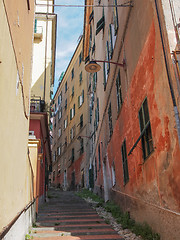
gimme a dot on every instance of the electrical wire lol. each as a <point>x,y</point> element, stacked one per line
<point>125,4</point>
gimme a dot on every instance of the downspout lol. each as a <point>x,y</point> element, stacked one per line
<point>168,75</point>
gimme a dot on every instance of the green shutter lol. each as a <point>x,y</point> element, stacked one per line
<point>74,109</point>
<point>35,26</point>
<point>70,114</point>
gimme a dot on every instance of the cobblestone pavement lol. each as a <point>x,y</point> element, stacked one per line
<point>67,217</point>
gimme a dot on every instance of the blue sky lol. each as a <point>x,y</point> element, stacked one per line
<point>69,29</point>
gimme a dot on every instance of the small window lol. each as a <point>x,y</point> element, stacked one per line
<point>65,87</point>
<point>72,112</point>
<point>82,146</point>
<point>110,120</point>
<point>65,123</point>
<point>72,155</point>
<point>81,99</point>
<point>124,162</point>
<point>65,105</point>
<point>72,92</point>
<point>72,73</point>
<point>145,127</point>
<point>80,58</point>
<point>80,78</point>
<point>81,121</point>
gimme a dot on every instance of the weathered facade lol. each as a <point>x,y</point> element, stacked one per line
<point>135,146</point>
<point>70,126</point>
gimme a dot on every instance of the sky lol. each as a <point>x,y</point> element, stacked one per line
<point>69,29</point>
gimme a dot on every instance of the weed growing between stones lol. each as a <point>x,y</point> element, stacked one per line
<point>144,230</point>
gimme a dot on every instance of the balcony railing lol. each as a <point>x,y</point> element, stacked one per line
<point>37,105</point>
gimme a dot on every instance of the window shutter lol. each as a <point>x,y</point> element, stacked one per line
<point>115,16</point>
<point>110,42</point>
<point>82,96</point>
<point>74,109</point>
<point>35,26</point>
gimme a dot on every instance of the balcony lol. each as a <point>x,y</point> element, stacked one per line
<point>37,105</point>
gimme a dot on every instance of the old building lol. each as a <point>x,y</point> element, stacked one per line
<point>70,126</point>
<point>134,108</point>
<point>17,200</point>
<point>42,82</point>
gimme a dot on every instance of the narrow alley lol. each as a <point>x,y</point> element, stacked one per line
<point>66,216</point>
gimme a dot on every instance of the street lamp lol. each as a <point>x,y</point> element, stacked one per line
<point>93,66</point>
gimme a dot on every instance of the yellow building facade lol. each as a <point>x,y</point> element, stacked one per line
<point>16,41</point>
<point>70,126</point>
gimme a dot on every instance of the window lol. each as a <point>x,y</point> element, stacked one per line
<point>59,132</point>
<point>81,121</point>
<point>65,105</point>
<point>90,39</point>
<point>60,98</point>
<point>72,112</point>
<point>82,146</point>
<point>80,78</point>
<point>59,150</point>
<point>60,113</point>
<point>110,120</point>
<point>145,127</point>
<point>115,17</point>
<point>99,155</point>
<point>66,87</point>
<point>80,58</point>
<point>72,155</point>
<point>100,24</point>
<point>94,81</point>
<point>81,99</point>
<point>124,162</point>
<point>65,123</point>
<point>53,176</point>
<point>106,66</point>
<point>72,73</point>
<point>110,40</point>
<point>118,90</point>
<point>72,133</point>
<point>72,92</point>
<point>65,142</point>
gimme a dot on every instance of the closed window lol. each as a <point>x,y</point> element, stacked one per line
<point>81,121</point>
<point>66,87</point>
<point>145,127</point>
<point>80,78</point>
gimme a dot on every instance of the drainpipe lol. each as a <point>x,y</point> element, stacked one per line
<point>168,75</point>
